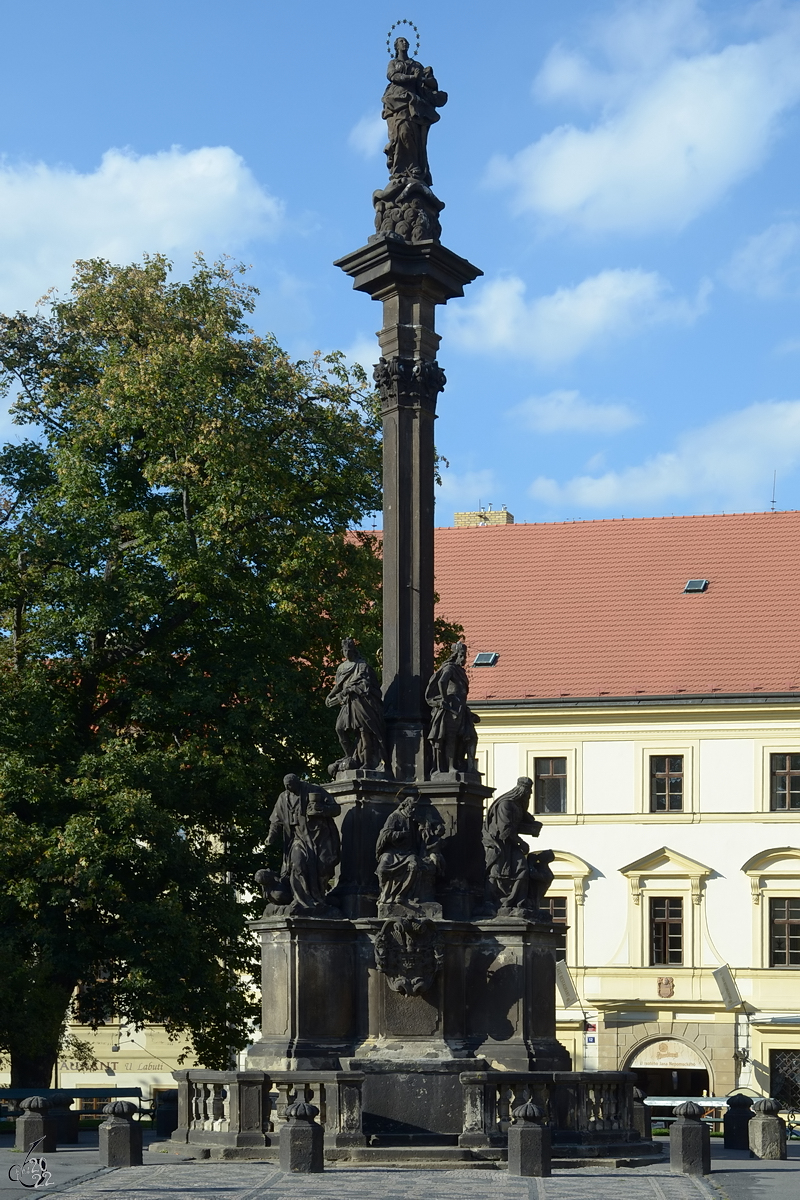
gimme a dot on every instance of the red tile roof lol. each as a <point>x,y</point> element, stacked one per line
<point>597,607</point>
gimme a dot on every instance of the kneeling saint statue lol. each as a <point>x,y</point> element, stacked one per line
<point>516,879</point>
<point>304,818</point>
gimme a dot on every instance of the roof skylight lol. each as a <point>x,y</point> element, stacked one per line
<point>486,658</point>
<point>696,585</point>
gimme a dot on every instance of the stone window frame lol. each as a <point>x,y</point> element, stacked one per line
<point>665,874</point>
<point>572,875</point>
<point>766,747</point>
<point>770,879</point>
<point>688,751</point>
<point>550,750</point>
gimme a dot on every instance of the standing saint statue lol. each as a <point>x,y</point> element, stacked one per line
<point>407,208</point>
<point>303,817</point>
<point>360,724</point>
<point>409,109</point>
<point>408,850</point>
<point>516,879</point>
<point>452,733</point>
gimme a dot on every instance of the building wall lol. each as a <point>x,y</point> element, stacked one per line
<point>613,855</point>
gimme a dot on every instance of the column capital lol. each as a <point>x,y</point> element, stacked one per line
<point>386,264</point>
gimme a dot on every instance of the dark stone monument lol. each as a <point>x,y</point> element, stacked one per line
<point>120,1136</point>
<point>406,970</point>
<point>689,1141</point>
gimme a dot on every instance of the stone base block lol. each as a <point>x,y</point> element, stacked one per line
<point>689,1148</point>
<point>767,1136</point>
<point>35,1127</point>
<point>413,1101</point>
<point>528,1149</point>
<point>301,1147</point>
<point>120,1143</point>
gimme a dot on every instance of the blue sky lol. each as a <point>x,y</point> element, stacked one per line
<point>626,175</point>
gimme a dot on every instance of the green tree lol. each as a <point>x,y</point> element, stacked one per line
<point>175,569</point>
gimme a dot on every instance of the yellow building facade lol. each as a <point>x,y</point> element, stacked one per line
<point>726,860</point>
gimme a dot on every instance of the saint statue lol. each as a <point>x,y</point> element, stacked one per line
<point>408,850</point>
<point>516,879</point>
<point>452,733</point>
<point>409,109</point>
<point>303,818</point>
<point>407,208</point>
<point>360,723</point>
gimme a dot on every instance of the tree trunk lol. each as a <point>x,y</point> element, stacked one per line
<point>33,1070</point>
<point>34,1042</point>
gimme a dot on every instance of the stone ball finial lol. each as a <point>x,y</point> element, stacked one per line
<point>767,1106</point>
<point>40,1104</point>
<point>688,1111</point>
<point>120,1108</point>
<point>739,1100</point>
<point>528,1112</point>
<point>301,1110</point>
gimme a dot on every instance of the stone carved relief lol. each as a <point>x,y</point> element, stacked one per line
<point>360,724</point>
<point>409,380</point>
<point>409,858</point>
<point>406,208</point>
<point>409,951</point>
<point>516,878</point>
<point>666,987</point>
<point>452,733</point>
<point>303,819</point>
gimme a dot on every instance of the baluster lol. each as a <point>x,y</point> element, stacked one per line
<point>315,1094</point>
<point>217,1104</point>
<point>267,1124</point>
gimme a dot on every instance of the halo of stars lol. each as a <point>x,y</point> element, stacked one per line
<point>402,21</point>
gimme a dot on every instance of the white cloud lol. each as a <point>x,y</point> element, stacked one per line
<point>368,136</point>
<point>364,350</point>
<point>727,463</point>
<point>670,139</point>
<point>569,412</point>
<point>636,41</point>
<point>176,202</point>
<point>463,493</point>
<point>769,263</point>
<point>557,328</point>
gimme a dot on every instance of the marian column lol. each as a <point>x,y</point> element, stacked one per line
<point>405,266</point>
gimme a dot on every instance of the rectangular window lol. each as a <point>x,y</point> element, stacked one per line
<point>550,785</point>
<point>784,1077</point>
<point>666,931</point>
<point>557,906</point>
<point>784,932</point>
<point>784,781</point>
<point>666,783</point>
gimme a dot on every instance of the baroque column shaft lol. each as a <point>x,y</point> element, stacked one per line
<point>409,280</point>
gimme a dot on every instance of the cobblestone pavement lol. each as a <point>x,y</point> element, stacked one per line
<point>258,1181</point>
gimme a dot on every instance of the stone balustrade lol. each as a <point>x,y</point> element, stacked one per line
<point>244,1110</point>
<point>581,1108</point>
